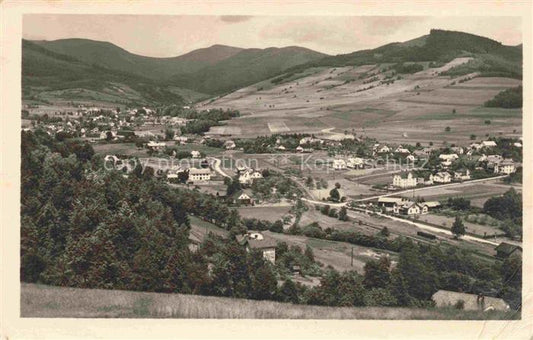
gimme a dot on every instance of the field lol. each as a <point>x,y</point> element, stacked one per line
<point>473,228</point>
<point>267,213</point>
<point>40,301</point>
<point>131,150</point>
<point>479,192</point>
<point>404,111</point>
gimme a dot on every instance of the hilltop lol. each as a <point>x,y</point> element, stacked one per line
<point>110,56</point>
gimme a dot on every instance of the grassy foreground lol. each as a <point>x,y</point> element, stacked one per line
<point>47,301</point>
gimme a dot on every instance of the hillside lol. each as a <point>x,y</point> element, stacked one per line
<point>48,301</point>
<point>72,65</point>
<point>48,75</point>
<point>401,92</point>
<point>245,68</point>
<point>110,56</point>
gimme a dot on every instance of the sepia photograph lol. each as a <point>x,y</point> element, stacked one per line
<point>311,167</point>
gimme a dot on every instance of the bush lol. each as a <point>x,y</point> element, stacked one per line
<point>460,304</point>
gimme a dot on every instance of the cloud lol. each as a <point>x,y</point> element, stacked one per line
<point>235,18</point>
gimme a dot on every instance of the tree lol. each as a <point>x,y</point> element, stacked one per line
<point>334,195</point>
<point>288,292</point>
<point>448,129</point>
<point>377,273</point>
<point>309,253</point>
<point>169,134</point>
<point>458,228</point>
<point>108,136</point>
<point>343,214</point>
<point>309,182</point>
<point>385,232</point>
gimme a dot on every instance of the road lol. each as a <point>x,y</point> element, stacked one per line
<point>215,163</point>
<point>431,228</point>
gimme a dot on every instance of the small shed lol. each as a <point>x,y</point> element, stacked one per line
<point>504,250</point>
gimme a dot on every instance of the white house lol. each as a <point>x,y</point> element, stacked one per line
<point>339,164</point>
<point>518,145</point>
<point>156,146</point>
<point>488,144</point>
<point>355,162</point>
<point>441,177</point>
<point>448,157</point>
<point>229,145</point>
<point>404,180</point>
<point>199,175</point>
<point>461,175</point>
<point>401,149</point>
<point>195,154</point>
<point>383,149</point>
<point>391,204</point>
<point>506,167</point>
<point>411,208</point>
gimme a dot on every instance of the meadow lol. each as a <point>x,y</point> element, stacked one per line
<point>38,301</point>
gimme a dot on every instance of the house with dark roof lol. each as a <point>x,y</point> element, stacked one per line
<point>257,241</point>
<point>504,250</point>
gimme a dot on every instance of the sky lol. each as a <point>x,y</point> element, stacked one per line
<point>173,35</point>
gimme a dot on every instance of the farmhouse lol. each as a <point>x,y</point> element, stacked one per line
<point>257,241</point>
<point>432,205</point>
<point>199,175</point>
<point>504,250</point>
<point>404,180</point>
<point>445,298</point>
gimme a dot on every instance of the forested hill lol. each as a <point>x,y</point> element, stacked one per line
<point>438,46</point>
<point>211,70</point>
<point>45,70</point>
<point>110,56</point>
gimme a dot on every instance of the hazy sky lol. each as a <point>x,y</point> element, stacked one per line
<point>167,36</point>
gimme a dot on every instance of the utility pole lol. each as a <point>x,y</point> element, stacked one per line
<point>352,257</point>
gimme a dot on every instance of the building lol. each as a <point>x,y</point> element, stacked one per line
<point>410,208</point>
<point>339,164</point>
<point>244,199</point>
<point>355,163</point>
<point>445,298</point>
<point>229,145</point>
<point>448,157</point>
<point>382,149</point>
<point>156,146</point>
<point>505,167</point>
<point>391,204</point>
<point>199,175</point>
<point>248,176</point>
<point>488,144</point>
<point>195,154</point>
<point>402,150</point>
<point>432,205</point>
<point>461,175</point>
<point>404,180</point>
<point>505,250</point>
<point>441,177</point>
<point>257,241</point>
